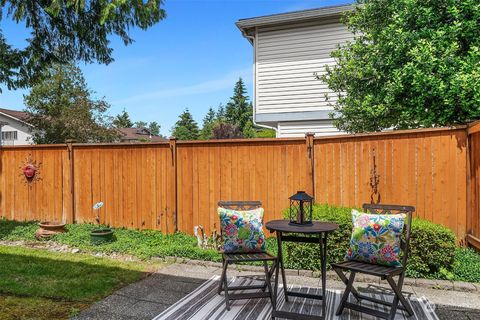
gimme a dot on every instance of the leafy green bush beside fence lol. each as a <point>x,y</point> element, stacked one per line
<point>432,246</point>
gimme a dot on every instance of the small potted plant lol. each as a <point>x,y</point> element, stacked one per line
<point>100,235</point>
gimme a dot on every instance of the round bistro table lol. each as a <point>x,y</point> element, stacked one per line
<point>317,232</point>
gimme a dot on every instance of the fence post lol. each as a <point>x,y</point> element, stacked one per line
<point>71,186</point>
<point>172,225</point>
<point>310,163</point>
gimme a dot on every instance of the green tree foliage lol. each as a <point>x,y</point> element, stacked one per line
<point>239,109</point>
<point>68,30</point>
<point>249,131</point>
<point>141,124</point>
<point>209,122</point>
<point>265,133</point>
<point>221,117</point>
<point>225,130</point>
<point>414,63</point>
<point>186,128</point>
<point>122,120</point>
<point>61,107</point>
<point>154,128</point>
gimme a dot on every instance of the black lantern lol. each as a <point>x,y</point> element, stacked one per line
<point>301,206</point>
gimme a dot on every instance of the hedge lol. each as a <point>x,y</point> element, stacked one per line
<point>432,246</point>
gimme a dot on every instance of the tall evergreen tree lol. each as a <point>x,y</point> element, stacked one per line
<point>186,128</point>
<point>154,128</point>
<point>68,30</point>
<point>239,110</point>
<point>208,124</point>
<point>220,117</point>
<point>122,120</point>
<point>141,124</point>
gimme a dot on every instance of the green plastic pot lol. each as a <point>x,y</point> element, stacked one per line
<point>100,236</point>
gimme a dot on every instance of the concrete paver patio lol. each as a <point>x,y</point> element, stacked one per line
<point>150,296</point>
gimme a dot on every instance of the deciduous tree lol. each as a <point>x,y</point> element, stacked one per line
<point>413,63</point>
<point>226,130</point>
<point>61,107</point>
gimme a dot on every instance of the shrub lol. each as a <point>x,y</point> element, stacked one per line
<point>466,266</point>
<point>307,256</point>
<point>432,246</point>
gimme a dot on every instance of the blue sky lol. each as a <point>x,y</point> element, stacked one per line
<point>191,59</point>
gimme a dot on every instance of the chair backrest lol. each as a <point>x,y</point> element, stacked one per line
<point>395,209</point>
<point>240,205</point>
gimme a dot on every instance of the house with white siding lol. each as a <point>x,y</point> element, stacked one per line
<point>289,49</point>
<point>14,128</point>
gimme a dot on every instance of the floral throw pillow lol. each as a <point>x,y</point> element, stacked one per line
<point>242,230</point>
<point>376,238</point>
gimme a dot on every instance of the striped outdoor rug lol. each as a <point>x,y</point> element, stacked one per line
<point>205,303</point>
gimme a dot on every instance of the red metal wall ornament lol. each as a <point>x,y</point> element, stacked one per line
<point>30,170</point>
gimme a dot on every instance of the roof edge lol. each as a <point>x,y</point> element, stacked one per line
<point>15,118</point>
<point>293,16</point>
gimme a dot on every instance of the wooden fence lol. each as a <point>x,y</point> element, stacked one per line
<point>176,185</point>
<point>473,180</point>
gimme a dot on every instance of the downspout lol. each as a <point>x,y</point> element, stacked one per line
<point>252,40</point>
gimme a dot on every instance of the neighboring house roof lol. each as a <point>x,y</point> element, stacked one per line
<point>291,17</point>
<point>16,114</point>
<point>139,134</point>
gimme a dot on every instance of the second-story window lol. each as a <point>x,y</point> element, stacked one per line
<point>9,135</point>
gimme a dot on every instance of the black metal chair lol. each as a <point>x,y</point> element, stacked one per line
<point>384,272</point>
<point>232,258</point>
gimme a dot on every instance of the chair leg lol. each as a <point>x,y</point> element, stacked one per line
<point>397,289</point>
<point>225,285</point>
<point>348,289</point>
<point>275,290</point>
<point>220,286</point>
<point>344,279</point>
<point>271,270</point>
<point>267,280</point>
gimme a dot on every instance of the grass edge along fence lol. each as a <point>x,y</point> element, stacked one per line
<point>175,185</point>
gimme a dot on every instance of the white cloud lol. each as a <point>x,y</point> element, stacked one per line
<point>225,82</point>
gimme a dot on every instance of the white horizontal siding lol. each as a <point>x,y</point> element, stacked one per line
<point>300,128</point>
<point>286,60</point>
<point>23,131</point>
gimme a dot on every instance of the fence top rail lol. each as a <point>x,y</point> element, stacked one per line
<point>254,140</point>
<point>473,127</point>
<point>34,146</point>
<point>391,133</point>
<point>121,144</point>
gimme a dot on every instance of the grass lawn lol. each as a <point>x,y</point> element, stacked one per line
<point>146,244</point>
<point>38,284</point>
